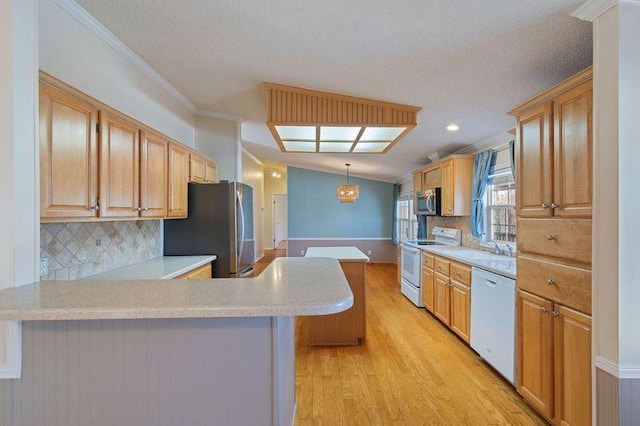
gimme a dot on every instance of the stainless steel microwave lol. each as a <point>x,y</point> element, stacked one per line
<point>428,202</point>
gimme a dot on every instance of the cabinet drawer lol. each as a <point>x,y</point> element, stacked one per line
<point>461,273</point>
<point>442,266</point>
<point>428,261</point>
<point>561,238</point>
<point>560,283</point>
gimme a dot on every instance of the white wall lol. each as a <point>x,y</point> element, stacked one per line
<point>253,175</point>
<point>218,139</point>
<point>629,176</point>
<point>6,152</point>
<point>72,53</point>
<point>272,186</point>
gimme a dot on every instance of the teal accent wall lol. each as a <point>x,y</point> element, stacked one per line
<point>314,211</point>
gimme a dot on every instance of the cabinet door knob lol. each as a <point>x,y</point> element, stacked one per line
<point>449,208</point>
<point>554,205</point>
<point>145,209</point>
<point>550,237</point>
<point>555,314</point>
<point>544,310</point>
<point>545,206</point>
<point>93,208</point>
<point>458,274</point>
<point>550,281</point>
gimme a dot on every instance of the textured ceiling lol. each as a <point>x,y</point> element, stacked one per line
<point>467,62</point>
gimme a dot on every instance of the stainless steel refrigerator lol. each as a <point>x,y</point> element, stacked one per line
<point>220,222</point>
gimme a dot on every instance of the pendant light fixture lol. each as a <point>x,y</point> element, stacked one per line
<point>348,193</point>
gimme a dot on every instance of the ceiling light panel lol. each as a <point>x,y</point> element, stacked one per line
<point>371,147</point>
<point>381,133</point>
<point>335,146</point>
<point>299,146</point>
<point>297,132</point>
<point>334,133</point>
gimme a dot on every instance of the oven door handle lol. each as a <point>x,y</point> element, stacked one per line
<point>410,249</point>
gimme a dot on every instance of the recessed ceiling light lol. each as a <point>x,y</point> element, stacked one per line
<point>452,127</point>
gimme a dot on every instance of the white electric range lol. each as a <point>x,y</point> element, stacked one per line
<point>411,261</point>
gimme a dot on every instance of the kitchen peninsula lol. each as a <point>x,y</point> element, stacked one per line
<point>133,352</point>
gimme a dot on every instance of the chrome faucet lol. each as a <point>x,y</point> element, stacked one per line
<point>496,247</point>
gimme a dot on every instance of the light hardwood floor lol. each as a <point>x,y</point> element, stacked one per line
<point>410,370</point>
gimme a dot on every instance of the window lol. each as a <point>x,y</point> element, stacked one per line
<point>500,201</point>
<point>500,213</point>
<point>407,224</point>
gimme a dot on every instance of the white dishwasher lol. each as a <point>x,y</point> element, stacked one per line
<point>493,311</point>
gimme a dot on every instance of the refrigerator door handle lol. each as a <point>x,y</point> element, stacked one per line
<point>239,201</point>
<point>248,272</point>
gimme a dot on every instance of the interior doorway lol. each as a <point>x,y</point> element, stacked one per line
<point>279,220</point>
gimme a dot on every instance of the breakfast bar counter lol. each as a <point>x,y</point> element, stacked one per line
<point>179,352</point>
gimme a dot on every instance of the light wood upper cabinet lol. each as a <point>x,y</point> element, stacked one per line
<point>432,178</point>
<point>68,156</point>
<point>572,340</point>
<point>119,168</point>
<point>210,172</point>
<point>534,162</point>
<point>573,151</point>
<point>455,192</point>
<point>417,187</point>
<point>196,168</point>
<point>535,351</point>
<point>153,175</point>
<point>554,158</point>
<point>178,181</point>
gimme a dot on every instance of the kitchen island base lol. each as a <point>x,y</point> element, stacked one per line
<point>348,327</point>
<point>196,371</point>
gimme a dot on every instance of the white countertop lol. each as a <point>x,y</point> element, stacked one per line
<point>345,254</point>
<point>287,287</point>
<point>502,265</point>
<point>160,268</point>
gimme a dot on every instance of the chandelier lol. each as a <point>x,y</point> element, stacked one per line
<point>348,193</point>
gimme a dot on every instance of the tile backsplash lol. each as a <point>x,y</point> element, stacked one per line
<point>460,222</point>
<point>76,250</point>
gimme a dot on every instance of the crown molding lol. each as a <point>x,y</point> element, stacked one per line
<point>497,140</point>
<point>220,115</point>
<point>82,16</point>
<point>592,9</point>
<point>252,157</point>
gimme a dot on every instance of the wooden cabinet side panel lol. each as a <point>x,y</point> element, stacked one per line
<point>533,162</point>
<point>119,168</point>
<point>153,175</point>
<point>572,347</point>
<point>573,151</point>
<point>68,156</point>
<point>535,351</point>
<point>178,181</point>
<point>462,176</point>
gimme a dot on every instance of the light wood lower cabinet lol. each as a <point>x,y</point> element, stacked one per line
<point>348,327</point>
<point>460,309</point>
<point>200,273</point>
<point>442,303</point>
<point>554,359</point>
<point>428,288</point>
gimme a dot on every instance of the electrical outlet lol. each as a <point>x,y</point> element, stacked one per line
<point>44,266</point>
<point>368,252</point>
<point>301,252</point>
